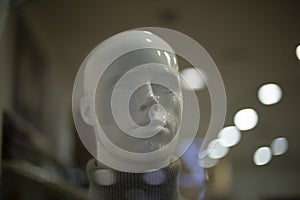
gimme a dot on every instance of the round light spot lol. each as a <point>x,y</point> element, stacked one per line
<point>105,177</point>
<point>298,52</point>
<point>207,162</point>
<point>216,150</point>
<point>269,94</point>
<point>155,177</point>
<point>148,40</point>
<point>246,119</point>
<point>279,146</point>
<point>194,79</point>
<point>229,136</point>
<point>262,156</point>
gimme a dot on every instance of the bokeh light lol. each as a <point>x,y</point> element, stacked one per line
<point>298,52</point>
<point>207,162</point>
<point>279,146</point>
<point>269,94</point>
<point>193,78</point>
<point>246,119</point>
<point>155,177</point>
<point>109,179</point>
<point>229,136</point>
<point>262,156</point>
<point>217,150</point>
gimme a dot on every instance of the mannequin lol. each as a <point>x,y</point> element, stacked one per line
<point>147,169</point>
<point>133,185</point>
<point>145,97</point>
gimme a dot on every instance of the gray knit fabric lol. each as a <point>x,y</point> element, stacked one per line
<point>109,184</point>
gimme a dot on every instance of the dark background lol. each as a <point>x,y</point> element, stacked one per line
<point>43,42</point>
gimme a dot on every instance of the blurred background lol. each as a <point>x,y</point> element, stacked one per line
<point>253,43</point>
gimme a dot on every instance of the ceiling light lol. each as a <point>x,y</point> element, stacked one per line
<point>298,52</point>
<point>269,94</point>
<point>246,119</point>
<point>207,162</point>
<point>262,156</point>
<point>193,79</point>
<point>229,136</point>
<point>279,146</point>
<point>216,150</point>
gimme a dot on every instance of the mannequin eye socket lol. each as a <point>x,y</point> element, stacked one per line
<point>143,108</point>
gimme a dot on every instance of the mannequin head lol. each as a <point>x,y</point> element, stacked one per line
<point>149,102</point>
<point>127,99</point>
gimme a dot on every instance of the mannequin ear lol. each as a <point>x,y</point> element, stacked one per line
<point>86,110</point>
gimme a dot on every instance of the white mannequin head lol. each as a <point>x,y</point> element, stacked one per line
<point>128,95</point>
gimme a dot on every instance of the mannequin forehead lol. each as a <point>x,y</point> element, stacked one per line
<point>138,57</point>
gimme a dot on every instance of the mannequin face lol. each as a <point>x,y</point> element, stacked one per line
<point>150,95</point>
<point>150,101</point>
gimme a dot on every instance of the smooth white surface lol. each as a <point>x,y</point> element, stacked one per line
<point>246,119</point>
<point>269,94</point>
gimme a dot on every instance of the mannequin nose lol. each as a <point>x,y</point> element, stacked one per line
<point>152,108</point>
<point>146,107</point>
<point>149,98</point>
